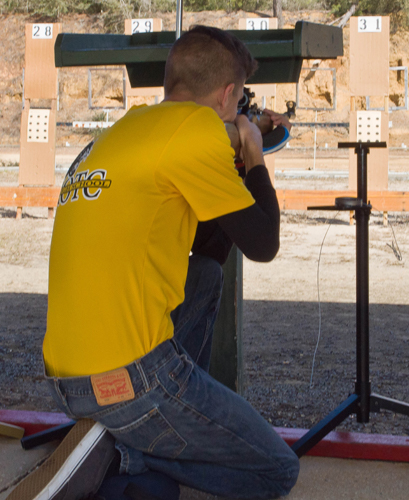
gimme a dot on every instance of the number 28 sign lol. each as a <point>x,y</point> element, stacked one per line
<point>41,31</point>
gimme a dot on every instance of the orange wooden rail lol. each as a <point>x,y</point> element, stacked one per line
<point>382,201</point>
<point>289,199</point>
<point>29,196</point>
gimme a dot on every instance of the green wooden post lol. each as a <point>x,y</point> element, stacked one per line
<point>226,364</point>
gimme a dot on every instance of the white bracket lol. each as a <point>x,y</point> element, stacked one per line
<point>368,126</point>
<point>38,123</point>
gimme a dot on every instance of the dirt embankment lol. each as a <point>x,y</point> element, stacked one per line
<point>315,89</point>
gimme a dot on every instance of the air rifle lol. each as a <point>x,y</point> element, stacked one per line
<point>274,138</point>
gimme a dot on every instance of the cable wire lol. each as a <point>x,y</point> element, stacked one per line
<point>395,247</point>
<point>398,255</point>
<point>319,301</point>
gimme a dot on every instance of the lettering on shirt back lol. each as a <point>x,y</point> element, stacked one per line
<point>89,183</point>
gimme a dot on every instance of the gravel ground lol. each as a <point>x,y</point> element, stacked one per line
<point>285,324</point>
<point>281,311</point>
<point>280,324</point>
<point>281,319</point>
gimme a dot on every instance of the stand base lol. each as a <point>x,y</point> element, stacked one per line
<point>349,407</point>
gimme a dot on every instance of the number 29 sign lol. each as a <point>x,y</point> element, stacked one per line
<point>142,26</point>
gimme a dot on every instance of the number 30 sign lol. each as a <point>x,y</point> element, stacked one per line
<point>42,31</point>
<point>257,23</point>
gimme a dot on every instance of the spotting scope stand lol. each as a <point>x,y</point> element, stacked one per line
<point>362,402</point>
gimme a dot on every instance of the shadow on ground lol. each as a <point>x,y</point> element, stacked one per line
<point>280,339</point>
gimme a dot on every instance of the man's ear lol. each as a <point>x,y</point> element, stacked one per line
<point>226,94</point>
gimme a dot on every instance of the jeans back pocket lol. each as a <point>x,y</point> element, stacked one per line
<point>151,434</point>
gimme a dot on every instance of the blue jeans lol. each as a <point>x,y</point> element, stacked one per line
<point>182,422</point>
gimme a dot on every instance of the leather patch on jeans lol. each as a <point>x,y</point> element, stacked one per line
<point>112,387</point>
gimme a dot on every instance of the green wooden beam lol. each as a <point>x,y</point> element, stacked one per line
<point>226,364</point>
<point>279,52</point>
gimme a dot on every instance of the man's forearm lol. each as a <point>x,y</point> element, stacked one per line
<point>255,230</point>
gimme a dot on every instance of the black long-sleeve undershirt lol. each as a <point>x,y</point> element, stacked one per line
<point>255,230</point>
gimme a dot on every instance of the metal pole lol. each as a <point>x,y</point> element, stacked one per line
<point>362,174</point>
<point>89,89</point>
<point>179,18</point>
<point>315,138</point>
<point>239,323</point>
<point>363,386</point>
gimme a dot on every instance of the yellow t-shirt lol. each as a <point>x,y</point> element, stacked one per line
<point>124,227</point>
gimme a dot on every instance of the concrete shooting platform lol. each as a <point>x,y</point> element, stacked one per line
<point>321,478</point>
<point>384,475</point>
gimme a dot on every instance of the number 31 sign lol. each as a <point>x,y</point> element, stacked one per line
<point>369,24</point>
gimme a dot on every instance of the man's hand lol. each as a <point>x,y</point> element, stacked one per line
<point>246,135</point>
<point>278,119</point>
<point>251,142</point>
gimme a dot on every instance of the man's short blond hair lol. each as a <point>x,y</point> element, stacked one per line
<point>205,59</point>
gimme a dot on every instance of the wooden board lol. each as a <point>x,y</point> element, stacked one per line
<point>270,164</point>
<point>29,196</point>
<point>143,91</point>
<point>377,158</point>
<point>266,89</point>
<point>253,21</point>
<point>369,58</point>
<point>382,201</point>
<point>40,73</point>
<point>11,430</point>
<point>37,159</point>
<point>289,199</point>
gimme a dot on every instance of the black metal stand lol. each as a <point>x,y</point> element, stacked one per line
<point>362,402</point>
